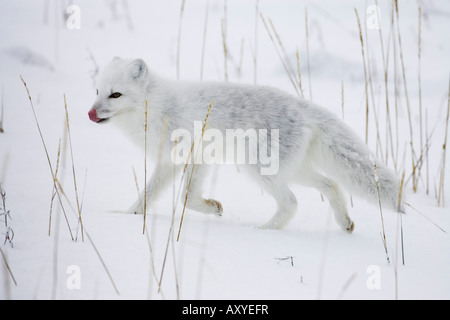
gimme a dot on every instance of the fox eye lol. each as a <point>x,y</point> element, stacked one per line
<point>115,95</point>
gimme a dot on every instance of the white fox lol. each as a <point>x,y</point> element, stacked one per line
<point>314,145</point>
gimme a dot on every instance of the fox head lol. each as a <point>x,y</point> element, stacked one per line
<point>120,86</point>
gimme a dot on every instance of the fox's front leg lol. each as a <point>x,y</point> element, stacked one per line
<point>193,188</point>
<point>161,177</point>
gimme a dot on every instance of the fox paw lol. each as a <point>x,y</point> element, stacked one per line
<point>206,206</point>
<point>350,228</point>
<point>215,206</point>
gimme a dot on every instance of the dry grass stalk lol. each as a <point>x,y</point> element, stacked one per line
<point>441,198</point>
<point>170,234</point>
<point>56,184</point>
<point>419,54</point>
<point>389,136</point>
<point>299,73</point>
<point>375,113</point>
<point>171,231</point>
<point>145,165</point>
<point>424,154</point>
<point>241,59</point>
<point>307,53</point>
<point>255,53</point>
<point>283,50</point>
<point>343,118</point>
<point>365,75</point>
<point>84,190</point>
<point>8,231</point>
<point>399,224</point>
<point>73,170</point>
<point>347,285</point>
<point>192,171</point>
<point>152,261</point>
<point>103,263</point>
<point>407,101</point>
<point>381,210</point>
<point>180,24</point>
<point>205,28</point>
<point>177,284</point>
<point>54,189</point>
<point>224,40</point>
<point>4,167</point>
<point>8,267</point>
<point>396,91</point>
<point>55,256</point>
<point>400,197</point>
<point>290,73</point>
<point>424,216</point>
<point>225,50</point>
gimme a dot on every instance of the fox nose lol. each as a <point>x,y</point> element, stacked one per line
<point>93,115</point>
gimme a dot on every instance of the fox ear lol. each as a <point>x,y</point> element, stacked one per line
<point>138,69</point>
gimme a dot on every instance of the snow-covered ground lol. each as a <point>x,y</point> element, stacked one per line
<point>226,257</point>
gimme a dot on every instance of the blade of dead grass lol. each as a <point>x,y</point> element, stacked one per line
<point>193,168</point>
<point>54,189</point>
<point>255,53</point>
<point>170,235</point>
<point>145,165</point>
<point>365,75</point>
<point>205,28</point>
<point>80,220</point>
<point>152,261</point>
<point>54,178</point>
<point>385,59</point>
<point>381,210</point>
<point>180,27</point>
<point>283,58</point>
<point>8,267</point>
<point>444,151</point>
<point>307,53</point>
<point>399,210</point>
<point>405,87</point>
<point>424,216</point>
<point>419,55</point>
<point>369,76</point>
<point>299,73</point>
<point>224,26</point>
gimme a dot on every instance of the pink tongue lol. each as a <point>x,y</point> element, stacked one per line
<point>93,115</point>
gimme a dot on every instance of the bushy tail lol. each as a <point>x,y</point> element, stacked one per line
<point>349,161</point>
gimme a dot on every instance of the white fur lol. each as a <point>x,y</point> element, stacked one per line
<point>315,148</point>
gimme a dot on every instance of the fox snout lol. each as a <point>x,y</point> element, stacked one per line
<point>93,115</point>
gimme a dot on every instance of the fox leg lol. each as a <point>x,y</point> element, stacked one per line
<point>160,179</point>
<point>194,177</point>
<point>334,194</point>
<point>286,202</point>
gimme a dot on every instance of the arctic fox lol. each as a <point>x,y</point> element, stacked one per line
<point>315,148</point>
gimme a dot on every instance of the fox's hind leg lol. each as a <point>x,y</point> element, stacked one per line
<point>286,202</point>
<point>193,188</point>
<point>333,193</point>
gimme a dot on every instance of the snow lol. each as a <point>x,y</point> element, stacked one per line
<point>224,257</point>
